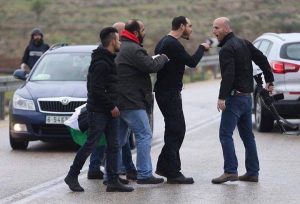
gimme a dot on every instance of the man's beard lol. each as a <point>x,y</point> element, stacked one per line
<point>117,49</point>
<point>38,42</point>
<point>141,39</point>
<point>185,35</point>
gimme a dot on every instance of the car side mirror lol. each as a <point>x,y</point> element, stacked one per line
<point>20,74</point>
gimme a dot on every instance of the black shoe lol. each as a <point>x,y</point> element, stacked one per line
<point>150,180</point>
<point>131,175</point>
<point>224,178</point>
<point>180,180</point>
<point>161,173</point>
<point>73,184</point>
<point>117,186</point>
<point>246,177</point>
<point>95,174</point>
<point>122,181</point>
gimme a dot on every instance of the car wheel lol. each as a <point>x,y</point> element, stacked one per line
<point>18,144</point>
<point>264,121</point>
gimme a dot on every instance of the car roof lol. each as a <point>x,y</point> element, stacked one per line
<point>282,37</point>
<point>73,48</point>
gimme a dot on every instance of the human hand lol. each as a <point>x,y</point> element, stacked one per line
<point>206,46</point>
<point>115,112</point>
<point>165,56</point>
<point>221,105</point>
<point>269,87</point>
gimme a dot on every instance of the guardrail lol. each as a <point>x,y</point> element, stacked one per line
<point>6,70</point>
<point>7,83</point>
<point>209,60</point>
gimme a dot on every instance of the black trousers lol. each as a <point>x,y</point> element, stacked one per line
<point>170,104</point>
<point>98,124</point>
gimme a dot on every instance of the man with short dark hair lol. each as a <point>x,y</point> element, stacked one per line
<point>168,96</point>
<point>134,66</point>
<point>125,157</point>
<point>34,50</point>
<point>236,56</point>
<point>103,113</point>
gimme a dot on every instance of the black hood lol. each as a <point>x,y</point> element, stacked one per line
<point>102,53</point>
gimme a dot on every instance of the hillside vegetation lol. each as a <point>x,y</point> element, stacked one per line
<point>79,21</point>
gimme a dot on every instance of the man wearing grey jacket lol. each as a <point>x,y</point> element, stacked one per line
<point>134,66</point>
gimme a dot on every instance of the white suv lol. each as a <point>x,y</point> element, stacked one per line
<point>283,53</point>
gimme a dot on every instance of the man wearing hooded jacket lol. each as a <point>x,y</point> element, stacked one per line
<point>34,50</point>
<point>103,112</point>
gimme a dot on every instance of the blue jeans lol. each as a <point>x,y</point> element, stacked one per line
<point>97,158</point>
<point>238,113</point>
<point>99,123</point>
<point>125,157</point>
<point>125,162</point>
<point>138,122</point>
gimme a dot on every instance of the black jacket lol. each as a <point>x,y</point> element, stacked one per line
<point>170,77</point>
<point>33,52</point>
<point>133,67</point>
<point>102,82</point>
<point>236,56</point>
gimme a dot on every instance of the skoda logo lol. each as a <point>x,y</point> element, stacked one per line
<point>65,101</point>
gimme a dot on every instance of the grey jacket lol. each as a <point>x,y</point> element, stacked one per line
<point>134,66</point>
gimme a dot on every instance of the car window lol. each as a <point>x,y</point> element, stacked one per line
<point>62,67</point>
<point>265,47</point>
<point>257,43</point>
<point>291,51</point>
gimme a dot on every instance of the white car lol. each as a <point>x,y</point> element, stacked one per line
<point>283,53</point>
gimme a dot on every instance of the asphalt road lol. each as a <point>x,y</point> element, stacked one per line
<point>36,175</point>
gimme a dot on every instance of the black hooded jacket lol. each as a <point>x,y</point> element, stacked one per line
<point>33,52</point>
<point>102,82</point>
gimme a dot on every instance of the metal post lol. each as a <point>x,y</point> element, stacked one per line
<point>2,113</point>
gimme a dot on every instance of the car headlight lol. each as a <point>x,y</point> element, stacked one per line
<point>22,103</point>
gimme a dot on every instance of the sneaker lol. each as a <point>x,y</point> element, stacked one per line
<point>95,174</point>
<point>131,175</point>
<point>122,181</point>
<point>180,180</point>
<point>246,177</point>
<point>224,178</point>
<point>117,186</point>
<point>150,180</point>
<point>73,184</point>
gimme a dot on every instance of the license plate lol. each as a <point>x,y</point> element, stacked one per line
<point>53,119</point>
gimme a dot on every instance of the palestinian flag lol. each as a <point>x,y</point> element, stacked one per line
<point>78,126</point>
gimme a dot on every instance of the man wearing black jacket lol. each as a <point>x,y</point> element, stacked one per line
<point>103,113</point>
<point>234,101</point>
<point>34,50</point>
<point>168,96</point>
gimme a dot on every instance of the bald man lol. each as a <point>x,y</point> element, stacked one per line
<point>236,56</point>
<point>120,26</point>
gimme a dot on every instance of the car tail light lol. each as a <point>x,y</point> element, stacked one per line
<point>284,67</point>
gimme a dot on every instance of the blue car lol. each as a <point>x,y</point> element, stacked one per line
<point>54,88</point>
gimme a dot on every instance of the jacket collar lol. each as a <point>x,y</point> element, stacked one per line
<point>226,38</point>
<point>130,36</point>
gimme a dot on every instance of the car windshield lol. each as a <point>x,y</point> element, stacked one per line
<point>291,51</point>
<point>62,67</point>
